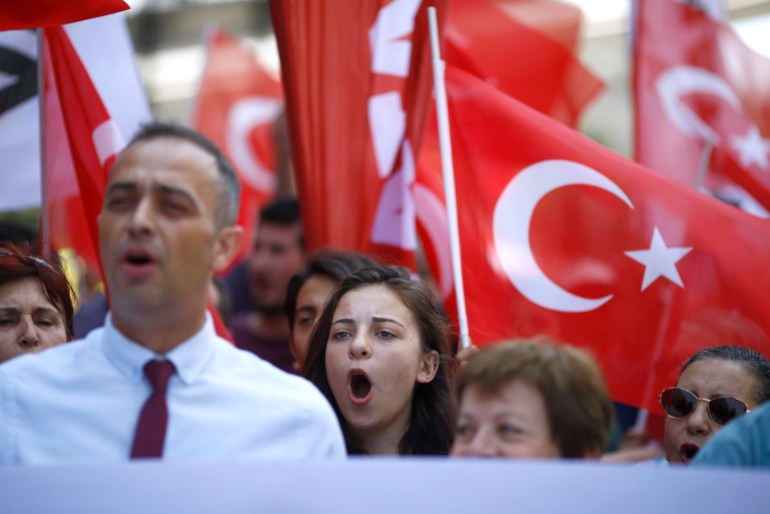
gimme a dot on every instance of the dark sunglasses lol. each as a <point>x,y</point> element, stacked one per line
<point>678,403</point>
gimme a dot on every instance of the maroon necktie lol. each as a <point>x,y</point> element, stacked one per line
<point>151,427</point>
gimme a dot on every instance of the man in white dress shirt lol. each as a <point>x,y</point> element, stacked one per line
<point>167,224</point>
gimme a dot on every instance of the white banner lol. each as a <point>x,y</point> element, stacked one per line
<point>381,485</point>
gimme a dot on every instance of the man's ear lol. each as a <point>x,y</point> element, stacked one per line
<point>227,245</point>
<point>428,367</point>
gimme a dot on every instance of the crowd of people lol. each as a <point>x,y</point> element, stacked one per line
<point>334,354</point>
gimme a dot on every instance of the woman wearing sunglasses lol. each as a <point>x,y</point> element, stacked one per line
<point>716,385</point>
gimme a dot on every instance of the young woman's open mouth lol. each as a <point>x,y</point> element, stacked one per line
<point>359,387</point>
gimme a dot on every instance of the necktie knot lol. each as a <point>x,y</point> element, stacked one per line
<point>151,427</point>
<point>158,373</point>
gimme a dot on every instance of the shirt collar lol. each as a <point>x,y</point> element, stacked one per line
<point>189,358</point>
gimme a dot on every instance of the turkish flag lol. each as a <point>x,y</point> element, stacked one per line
<point>561,236</point>
<point>78,124</point>
<point>489,39</point>
<point>104,47</point>
<point>527,49</point>
<point>357,81</point>
<point>30,14</point>
<point>695,80</point>
<point>236,108</point>
<point>80,121</point>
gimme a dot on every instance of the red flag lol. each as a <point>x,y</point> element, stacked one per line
<point>527,50</point>
<point>105,49</point>
<point>92,138</point>
<point>236,108</point>
<point>485,38</point>
<point>695,81</point>
<point>30,14</point>
<point>561,236</point>
<point>357,82</point>
<point>78,123</point>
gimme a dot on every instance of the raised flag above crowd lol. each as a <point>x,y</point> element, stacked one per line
<point>484,38</point>
<point>104,47</point>
<point>76,124</point>
<point>701,100</point>
<point>237,107</point>
<point>81,136</point>
<point>562,236</point>
<point>357,84</point>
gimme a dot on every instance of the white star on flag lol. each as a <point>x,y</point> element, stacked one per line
<point>659,260</point>
<point>752,148</point>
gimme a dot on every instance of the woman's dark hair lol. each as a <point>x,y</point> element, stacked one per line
<point>18,262</point>
<point>432,415</point>
<point>325,262</point>
<point>754,362</point>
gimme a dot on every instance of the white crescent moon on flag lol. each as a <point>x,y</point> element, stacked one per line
<point>678,81</point>
<point>243,116</point>
<point>511,230</point>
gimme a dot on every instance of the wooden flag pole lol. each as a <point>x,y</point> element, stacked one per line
<point>445,144</point>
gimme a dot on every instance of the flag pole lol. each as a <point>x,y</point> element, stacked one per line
<point>45,229</point>
<point>705,158</point>
<point>445,144</point>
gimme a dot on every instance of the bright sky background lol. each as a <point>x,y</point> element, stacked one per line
<point>754,31</point>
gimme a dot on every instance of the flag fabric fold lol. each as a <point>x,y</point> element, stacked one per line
<point>488,40</point>
<point>357,84</point>
<point>86,129</point>
<point>562,237</point>
<point>526,49</point>
<point>103,45</point>
<point>31,14</point>
<point>79,126</point>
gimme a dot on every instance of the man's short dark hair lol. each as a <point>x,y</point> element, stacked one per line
<point>283,211</point>
<point>229,197</point>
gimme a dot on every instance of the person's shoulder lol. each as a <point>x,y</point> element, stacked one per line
<point>743,442</point>
<point>52,360</point>
<point>240,320</point>
<point>247,368</point>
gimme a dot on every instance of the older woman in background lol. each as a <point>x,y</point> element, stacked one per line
<point>716,385</point>
<point>530,399</point>
<point>35,303</point>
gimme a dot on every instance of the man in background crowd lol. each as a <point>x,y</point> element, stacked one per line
<point>277,255</point>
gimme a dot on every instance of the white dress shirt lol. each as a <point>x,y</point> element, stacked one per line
<point>80,402</point>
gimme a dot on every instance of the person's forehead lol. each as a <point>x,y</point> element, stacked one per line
<point>167,154</point>
<point>375,300</point>
<point>717,376</point>
<point>27,288</point>
<point>278,232</point>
